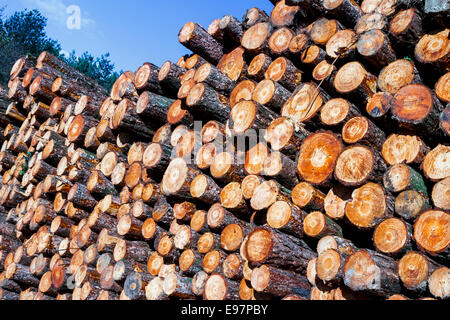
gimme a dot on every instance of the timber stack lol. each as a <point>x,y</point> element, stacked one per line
<point>345,195</point>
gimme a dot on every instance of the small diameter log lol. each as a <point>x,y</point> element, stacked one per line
<point>406,26</point>
<point>279,41</point>
<point>197,39</point>
<point>393,237</point>
<point>231,197</point>
<point>170,74</point>
<point>414,269</point>
<point>329,266</point>
<point>346,10</point>
<point>404,149</point>
<point>203,99</point>
<point>248,115</point>
<point>432,49</point>
<point>305,103</point>
<point>410,204</point>
<point>431,232</point>
<point>271,94</point>
<point>375,47</point>
<point>254,16</point>
<point>441,88</point>
<point>153,107</point>
<point>362,130</point>
<point>99,184</point>
<point>417,109</point>
<point>226,168</point>
<point>398,74</point>
<point>255,40</point>
<point>205,189</point>
<point>277,249</point>
<point>242,91</point>
<point>441,194</point>
<point>337,112</point>
<point>136,250</point>
<point>176,114</point>
<point>401,177</point>
<point>353,80</point>
<point>342,44</point>
<point>371,272</point>
<point>80,196</point>
<point>258,67</point>
<point>305,196</point>
<point>284,72</point>
<point>438,283</point>
<point>156,157</point>
<point>286,217</point>
<point>231,28</point>
<point>358,164</point>
<point>255,158</point>
<point>146,78</point>
<point>281,168</point>
<point>372,21</point>
<point>434,165</point>
<point>282,136</point>
<point>369,206</point>
<point>178,178</point>
<point>318,156</point>
<point>266,194</point>
<point>279,283</point>
<point>217,287</point>
<point>379,106</point>
<point>323,29</point>
<point>299,43</point>
<point>283,15</point>
<point>317,225</point>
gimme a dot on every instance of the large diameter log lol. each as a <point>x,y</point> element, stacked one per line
<point>198,40</point>
<point>153,106</point>
<point>433,49</point>
<point>353,80</point>
<point>359,164</point>
<point>434,165</point>
<point>417,109</point>
<point>318,156</point>
<point>371,272</point>
<point>431,232</point>
<point>369,206</point>
<point>265,246</point>
<point>255,39</point>
<point>375,47</point>
<point>393,237</point>
<point>414,269</point>
<point>404,149</point>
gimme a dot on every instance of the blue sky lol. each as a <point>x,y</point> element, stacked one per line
<point>132,31</point>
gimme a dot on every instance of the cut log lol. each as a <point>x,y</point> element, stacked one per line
<point>434,165</point>
<point>430,232</point>
<point>371,272</point>
<point>358,164</point>
<point>393,237</point>
<point>318,156</point>
<point>279,283</point>
<point>317,225</point>
<point>369,206</point>
<point>198,40</point>
<point>284,72</point>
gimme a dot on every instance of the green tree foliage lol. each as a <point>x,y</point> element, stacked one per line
<point>24,33</point>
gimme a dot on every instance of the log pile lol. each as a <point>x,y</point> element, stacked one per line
<point>345,195</point>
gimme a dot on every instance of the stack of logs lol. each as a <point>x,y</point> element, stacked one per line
<point>345,195</point>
